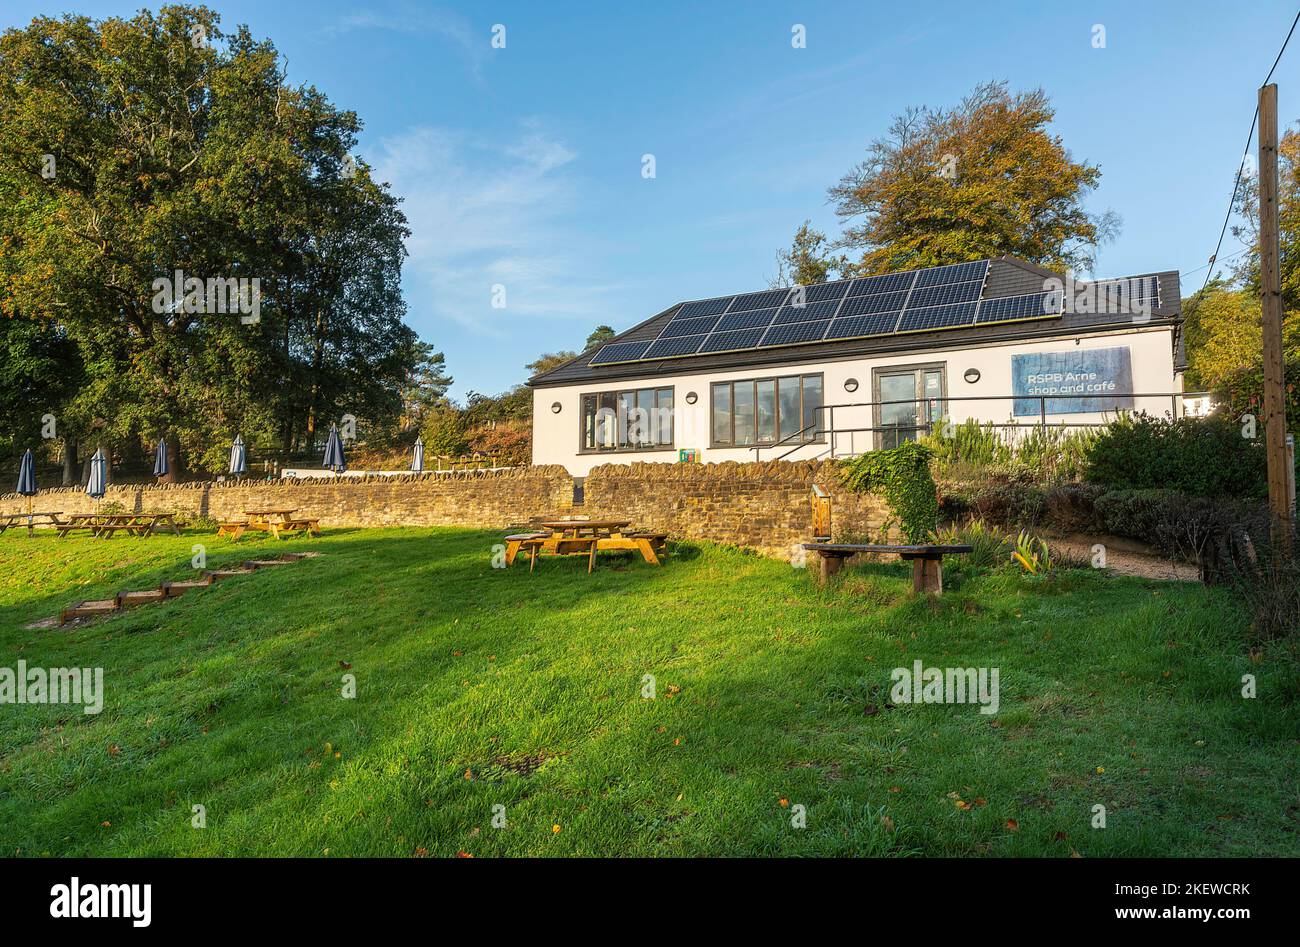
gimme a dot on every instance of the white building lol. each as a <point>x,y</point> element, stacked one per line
<point>840,368</point>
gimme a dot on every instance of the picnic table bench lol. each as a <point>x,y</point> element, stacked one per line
<point>586,537</point>
<point>105,525</point>
<point>272,521</point>
<point>927,560</point>
<point>16,519</point>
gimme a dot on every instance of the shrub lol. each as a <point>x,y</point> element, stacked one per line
<point>510,442</point>
<point>1008,504</point>
<point>902,476</point>
<point>990,547</point>
<point>445,433</point>
<point>1201,456</point>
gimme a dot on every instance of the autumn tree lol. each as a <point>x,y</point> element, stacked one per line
<point>980,180</point>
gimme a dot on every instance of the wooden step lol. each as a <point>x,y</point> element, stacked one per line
<point>87,610</point>
<point>143,597</point>
<point>218,574</point>
<point>173,589</point>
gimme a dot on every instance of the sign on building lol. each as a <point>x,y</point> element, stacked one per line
<point>1095,380</point>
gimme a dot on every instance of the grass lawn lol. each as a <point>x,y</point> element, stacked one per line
<point>480,687</point>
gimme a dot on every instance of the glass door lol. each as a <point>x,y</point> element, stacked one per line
<point>908,402</point>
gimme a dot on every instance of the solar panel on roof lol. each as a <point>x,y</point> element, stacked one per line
<point>619,352</point>
<point>773,297</point>
<point>941,297</point>
<point>937,317</point>
<point>807,313</point>
<point>956,273</point>
<point>699,326</point>
<point>1012,308</point>
<point>820,292</point>
<point>729,341</point>
<point>881,302</point>
<point>745,320</point>
<point>681,345</point>
<point>703,307</point>
<point>888,283</point>
<point>795,332</point>
<point>855,327</point>
<point>944,294</point>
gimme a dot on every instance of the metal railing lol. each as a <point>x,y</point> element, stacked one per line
<point>937,413</point>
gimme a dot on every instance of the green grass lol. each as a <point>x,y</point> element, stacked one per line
<point>1116,692</point>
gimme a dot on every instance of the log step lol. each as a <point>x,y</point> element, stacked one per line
<point>166,590</point>
<point>143,597</point>
<point>173,589</point>
<point>87,610</point>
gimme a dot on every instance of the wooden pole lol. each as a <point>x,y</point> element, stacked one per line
<point>1271,301</point>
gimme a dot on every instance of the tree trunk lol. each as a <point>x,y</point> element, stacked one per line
<point>69,460</point>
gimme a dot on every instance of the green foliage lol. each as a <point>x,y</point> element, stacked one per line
<point>807,261</point>
<point>599,336</point>
<point>902,476</point>
<point>446,433</point>
<point>1033,554</point>
<point>990,546</point>
<point>971,450</point>
<point>1201,456</point>
<point>199,157</point>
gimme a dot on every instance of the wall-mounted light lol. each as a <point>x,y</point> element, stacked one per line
<point>850,384</point>
<point>555,408</point>
<point>972,375</point>
<point>692,397</point>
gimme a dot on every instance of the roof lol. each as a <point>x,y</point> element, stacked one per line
<point>1007,276</point>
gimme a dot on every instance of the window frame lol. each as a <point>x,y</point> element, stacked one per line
<point>754,382</point>
<point>616,395</point>
<point>918,371</point>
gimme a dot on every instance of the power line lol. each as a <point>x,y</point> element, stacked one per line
<point>1236,184</point>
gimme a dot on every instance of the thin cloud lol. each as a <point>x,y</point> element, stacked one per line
<point>484,213</point>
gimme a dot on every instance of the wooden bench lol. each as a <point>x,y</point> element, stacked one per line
<point>234,529</point>
<point>927,560</point>
<point>571,545</point>
<point>658,541</point>
<point>309,524</point>
<point>516,542</point>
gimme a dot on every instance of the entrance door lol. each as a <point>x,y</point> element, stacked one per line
<point>908,402</point>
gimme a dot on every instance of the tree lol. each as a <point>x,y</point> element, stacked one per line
<point>1288,197</point>
<point>426,386</point>
<point>446,433</point>
<point>980,180</point>
<point>1225,346</point>
<point>599,336</point>
<point>806,261</point>
<point>175,147</point>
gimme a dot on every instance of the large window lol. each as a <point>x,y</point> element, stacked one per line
<point>636,419</point>
<point>767,410</point>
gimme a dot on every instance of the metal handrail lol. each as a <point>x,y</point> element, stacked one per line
<point>820,427</point>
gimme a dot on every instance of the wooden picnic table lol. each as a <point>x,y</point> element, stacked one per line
<point>568,537</point>
<point>16,519</point>
<point>272,520</point>
<point>104,525</point>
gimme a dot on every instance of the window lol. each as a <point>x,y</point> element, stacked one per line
<point>637,419</point>
<point>767,411</point>
<point>908,402</point>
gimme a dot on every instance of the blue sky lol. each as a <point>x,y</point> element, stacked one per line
<point>522,166</point>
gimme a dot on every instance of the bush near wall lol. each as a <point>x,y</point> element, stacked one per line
<point>902,476</point>
<point>1201,456</point>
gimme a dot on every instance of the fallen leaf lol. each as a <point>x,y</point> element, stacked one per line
<point>464,855</point>
<point>785,803</point>
<point>344,664</point>
<point>555,830</point>
<point>1013,825</point>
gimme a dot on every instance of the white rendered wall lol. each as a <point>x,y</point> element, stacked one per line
<point>556,437</point>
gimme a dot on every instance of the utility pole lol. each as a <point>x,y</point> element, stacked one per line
<point>1275,437</point>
